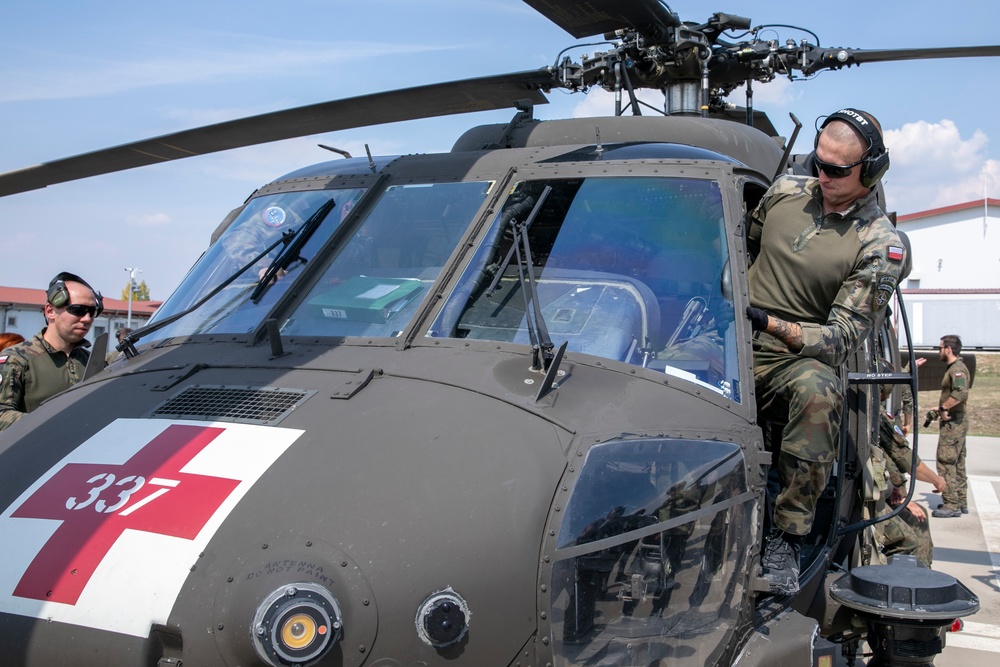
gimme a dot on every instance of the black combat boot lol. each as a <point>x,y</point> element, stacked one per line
<point>965,508</point>
<point>946,512</point>
<point>781,562</point>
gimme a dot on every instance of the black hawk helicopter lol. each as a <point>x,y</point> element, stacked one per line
<point>488,407</point>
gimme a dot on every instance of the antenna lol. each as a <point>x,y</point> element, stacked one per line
<point>335,150</point>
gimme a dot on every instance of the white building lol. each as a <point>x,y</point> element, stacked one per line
<point>954,287</point>
<point>22,312</point>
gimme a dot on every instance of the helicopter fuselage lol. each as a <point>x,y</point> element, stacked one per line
<point>380,458</point>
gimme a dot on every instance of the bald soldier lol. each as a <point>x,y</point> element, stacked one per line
<point>826,261</point>
<point>57,356</point>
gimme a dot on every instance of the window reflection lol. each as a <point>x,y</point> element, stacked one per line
<point>259,225</point>
<point>650,554</point>
<point>375,284</point>
<point>632,269</point>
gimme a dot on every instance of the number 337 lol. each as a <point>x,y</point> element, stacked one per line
<point>126,486</point>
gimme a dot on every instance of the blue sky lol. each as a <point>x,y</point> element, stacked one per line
<point>81,75</point>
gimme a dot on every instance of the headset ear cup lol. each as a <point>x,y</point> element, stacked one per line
<point>57,295</point>
<point>874,169</point>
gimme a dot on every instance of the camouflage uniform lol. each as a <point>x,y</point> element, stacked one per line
<point>707,347</point>
<point>905,404</point>
<point>903,533</point>
<point>951,438</point>
<point>32,371</point>
<point>833,275</point>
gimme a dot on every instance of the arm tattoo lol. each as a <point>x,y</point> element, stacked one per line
<point>788,332</point>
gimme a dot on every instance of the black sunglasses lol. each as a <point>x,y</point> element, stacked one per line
<point>79,310</point>
<point>836,170</point>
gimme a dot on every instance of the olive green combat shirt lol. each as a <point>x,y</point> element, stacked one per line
<point>32,371</point>
<point>955,384</point>
<point>832,274</point>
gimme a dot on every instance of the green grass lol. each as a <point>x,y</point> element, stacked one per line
<point>984,398</point>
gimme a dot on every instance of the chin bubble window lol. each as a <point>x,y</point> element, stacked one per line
<point>651,557</point>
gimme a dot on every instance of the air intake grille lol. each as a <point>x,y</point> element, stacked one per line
<point>246,405</point>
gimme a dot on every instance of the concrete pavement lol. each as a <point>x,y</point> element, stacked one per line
<point>968,548</point>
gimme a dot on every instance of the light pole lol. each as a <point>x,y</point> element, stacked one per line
<point>131,289</point>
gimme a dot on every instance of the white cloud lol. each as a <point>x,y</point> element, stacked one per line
<point>924,142</point>
<point>599,102</point>
<point>776,94</point>
<point>971,188</point>
<point>934,166</point>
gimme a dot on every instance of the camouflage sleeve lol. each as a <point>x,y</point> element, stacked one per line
<point>706,347</point>
<point>893,443</point>
<point>862,297</point>
<point>12,374</point>
<point>959,383</point>
<point>906,400</point>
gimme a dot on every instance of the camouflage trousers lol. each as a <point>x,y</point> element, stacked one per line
<point>904,534</point>
<point>804,395</point>
<point>951,461</point>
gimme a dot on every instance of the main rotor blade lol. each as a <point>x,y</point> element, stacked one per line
<point>878,55</point>
<point>839,57</point>
<point>441,99</point>
<point>597,17</point>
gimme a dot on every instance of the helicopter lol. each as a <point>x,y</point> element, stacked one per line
<point>486,407</point>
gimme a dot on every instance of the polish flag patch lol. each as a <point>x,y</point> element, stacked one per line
<point>896,253</point>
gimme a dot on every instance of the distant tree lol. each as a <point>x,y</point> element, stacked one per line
<point>140,292</point>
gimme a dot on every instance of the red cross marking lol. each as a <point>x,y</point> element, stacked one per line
<point>97,502</point>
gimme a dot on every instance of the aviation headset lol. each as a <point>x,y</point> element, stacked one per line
<point>58,294</point>
<point>876,160</point>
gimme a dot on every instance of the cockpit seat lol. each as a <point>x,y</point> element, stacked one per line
<point>604,314</point>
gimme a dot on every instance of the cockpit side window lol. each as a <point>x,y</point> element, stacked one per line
<point>631,269</point>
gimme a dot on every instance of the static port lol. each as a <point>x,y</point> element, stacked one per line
<point>296,625</point>
<point>443,619</point>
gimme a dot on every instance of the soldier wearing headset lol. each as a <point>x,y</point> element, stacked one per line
<point>826,261</point>
<point>55,359</point>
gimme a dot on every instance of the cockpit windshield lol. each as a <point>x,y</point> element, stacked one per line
<point>259,226</point>
<point>631,269</point>
<point>377,281</point>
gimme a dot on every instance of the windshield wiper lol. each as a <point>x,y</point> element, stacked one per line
<point>526,205</point>
<point>291,252</point>
<point>129,340</point>
<point>538,333</point>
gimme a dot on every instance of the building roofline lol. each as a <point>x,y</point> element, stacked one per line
<point>946,209</point>
<point>35,298</point>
